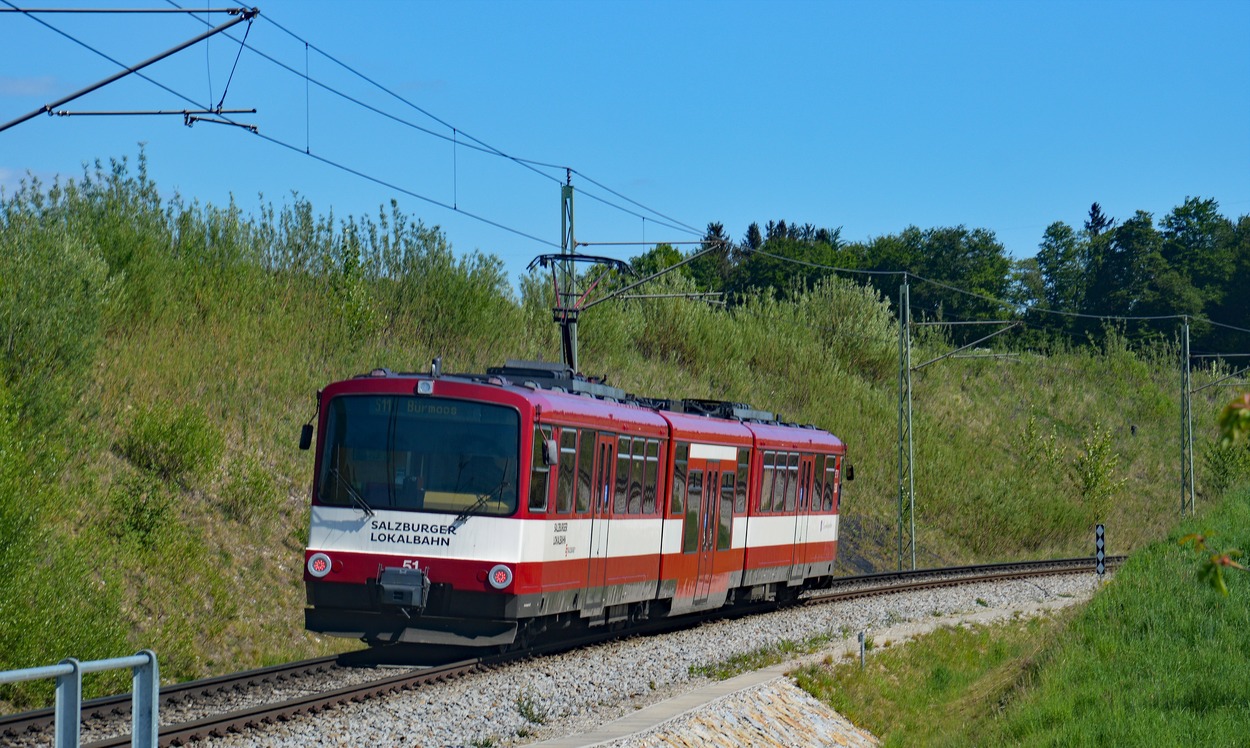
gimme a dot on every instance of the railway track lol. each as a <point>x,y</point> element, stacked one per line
<point>849,588</point>
<point>116,709</point>
<point>172,696</point>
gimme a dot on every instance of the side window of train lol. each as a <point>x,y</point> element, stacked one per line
<point>831,484</point>
<point>783,480</point>
<point>792,486</point>
<point>585,465</point>
<point>635,475</point>
<point>564,480</point>
<point>694,491</point>
<point>837,484</point>
<point>779,484</point>
<point>681,453</point>
<point>805,488</point>
<point>804,479</point>
<point>724,533</point>
<point>818,481</point>
<point>539,471</point>
<point>622,475</point>
<point>766,487</point>
<point>744,462</point>
<point>652,475</point>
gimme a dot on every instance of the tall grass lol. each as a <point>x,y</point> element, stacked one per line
<point>939,690</point>
<point>1157,658</point>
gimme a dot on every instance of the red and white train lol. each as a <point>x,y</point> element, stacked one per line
<point>483,510</point>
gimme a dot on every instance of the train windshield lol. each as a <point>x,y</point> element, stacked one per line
<point>420,454</point>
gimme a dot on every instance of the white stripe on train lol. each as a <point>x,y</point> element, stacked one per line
<point>508,539</point>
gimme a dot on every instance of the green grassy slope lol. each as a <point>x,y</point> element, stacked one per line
<point>159,358</point>
<point>1157,658</point>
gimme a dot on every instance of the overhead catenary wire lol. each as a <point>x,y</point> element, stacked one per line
<point>821,266</point>
<point>1235,375</point>
<point>992,299</point>
<point>635,202</point>
<point>476,143</point>
<point>116,11</point>
<point>146,112</point>
<point>248,15</point>
<point>479,144</point>
<point>390,185</point>
<point>208,63</point>
<point>635,244</point>
<point>651,277</point>
<point>276,141</point>
<point>235,67</point>
<point>531,164</point>
<point>126,69</point>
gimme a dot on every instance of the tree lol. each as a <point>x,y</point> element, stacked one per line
<point>712,270</point>
<point>1195,245</point>
<point>974,261</point>
<point>754,239</point>
<point>1025,284</point>
<point>779,276</point>
<point>776,230</point>
<point>655,260</point>
<point>1234,306</point>
<point>1062,260</point>
<point>1123,282</point>
<point>955,257</point>
<point>1098,222</point>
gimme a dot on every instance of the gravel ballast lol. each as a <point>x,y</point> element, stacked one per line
<point>577,692</point>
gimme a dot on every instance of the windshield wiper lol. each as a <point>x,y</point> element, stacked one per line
<point>482,500</point>
<point>356,498</point>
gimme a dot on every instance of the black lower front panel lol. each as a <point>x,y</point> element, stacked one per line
<point>395,627</point>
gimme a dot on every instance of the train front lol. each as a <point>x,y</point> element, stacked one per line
<point>413,536</point>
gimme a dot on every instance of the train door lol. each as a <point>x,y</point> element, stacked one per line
<point>707,520</point>
<point>798,563</point>
<point>600,511</point>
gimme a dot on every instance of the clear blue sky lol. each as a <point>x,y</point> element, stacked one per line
<point>869,116</point>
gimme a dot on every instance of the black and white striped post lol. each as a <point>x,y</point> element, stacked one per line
<point>1100,551</point>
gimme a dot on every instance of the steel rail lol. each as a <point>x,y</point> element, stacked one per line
<point>906,581</point>
<point>859,586</point>
<point>245,719</point>
<point>118,706</point>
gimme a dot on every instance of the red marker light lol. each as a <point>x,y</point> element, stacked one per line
<point>319,565</point>
<point>500,576</point>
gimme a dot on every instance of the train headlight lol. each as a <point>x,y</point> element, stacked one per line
<point>319,565</point>
<point>500,576</point>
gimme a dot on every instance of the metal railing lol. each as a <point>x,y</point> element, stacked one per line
<point>68,674</point>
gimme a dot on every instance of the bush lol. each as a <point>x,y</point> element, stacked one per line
<point>856,326</point>
<point>54,289</point>
<point>141,509</point>
<point>1226,465</point>
<point>122,215</point>
<point>172,443</point>
<point>18,482</point>
<point>66,602</point>
<point>47,580</point>
<point>250,491</point>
